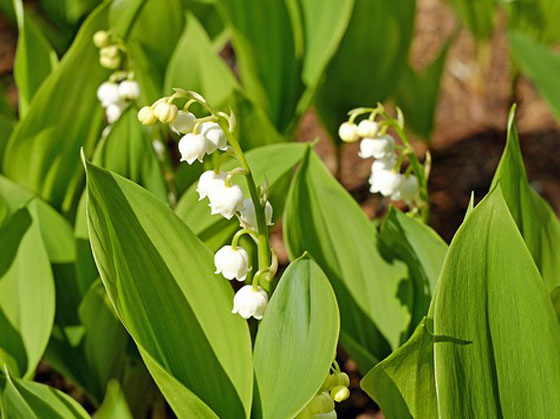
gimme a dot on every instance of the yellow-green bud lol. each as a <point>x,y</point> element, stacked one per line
<point>112,63</point>
<point>101,39</point>
<point>340,393</point>
<point>329,383</point>
<point>110,51</point>
<point>342,379</point>
<point>321,403</point>
<point>146,115</point>
<point>166,112</point>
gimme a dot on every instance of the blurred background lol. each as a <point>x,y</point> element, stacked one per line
<point>471,92</point>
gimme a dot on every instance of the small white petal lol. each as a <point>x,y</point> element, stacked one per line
<point>108,93</point>
<point>408,190</point>
<point>384,181</point>
<point>209,181</point>
<point>192,147</point>
<point>249,217</point>
<point>367,128</point>
<point>215,136</point>
<point>226,200</point>
<point>232,264</point>
<point>114,111</point>
<point>249,302</point>
<point>379,148</point>
<point>129,90</point>
<point>184,123</point>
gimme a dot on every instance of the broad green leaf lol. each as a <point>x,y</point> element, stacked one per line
<point>367,67</point>
<point>29,400</point>
<point>403,384</point>
<point>477,15</point>
<point>27,296</point>
<point>323,219</point>
<point>114,405</point>
<point>535,18</point>
<point>418,94</point>
<point>296,341</point>
<point>68,11</point>
<point>34,61</point>
<point>535,219</point>
<point>540,64</point>
<point>268,42</point>
<point>491,297</point>
<point>207,13</point>
<point>265,163</point>
<point>43,151</point>
<point>421,249</point>
<point>198,352</point>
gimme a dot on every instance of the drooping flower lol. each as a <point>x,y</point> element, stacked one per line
<point>114,111</point>
<point>368,129</point>
<point>348,132</point>
<point>184,123</point>
<point>232,263</point>
<point>109,57</point>
<point>408,189</point>
<point>383,179</point>
<point>321,406</point>
<point>249,302</point>
<point>146,115</point>
<point>101,39</point>
<point>379,147</point>
<point>108,93</point>
<point>249,217</point>
<point>226,200</point>
<point>129,90</point>
<point>209,181</point>
<point>166,112</point>
<point>192,147</point>
<point>215,136</point>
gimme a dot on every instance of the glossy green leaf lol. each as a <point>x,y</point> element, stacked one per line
<point>324,220</point>
<point>214,230</point>
<point>68,11</point>
<point>24,399</point>
<point>477,15</point>
<point>268,42</point>
<point>491,300</point>
<point>421,249</point>
<point>296,341</point>
<point>34,61</point>
<point>43,151</point>
<point>367,67</point>
<point>403,384</point>
<point>536,18</point>
<point>27,299</point>
<point>540,64</point>
<point>536,221</point>
<point>198,352</point>
<point>418,94</point>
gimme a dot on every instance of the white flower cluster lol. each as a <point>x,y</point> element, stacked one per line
<point>201,137</point>
<point>321,406</point>
<point>115,96</point>
<point>385,177</point>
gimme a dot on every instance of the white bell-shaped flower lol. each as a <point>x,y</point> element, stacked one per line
<point>383,179</point>
<point>232,263</point>
<point>166,112</point>
<point>408,190</point>
<point>368,129</point>
<point>210,181</point>
<point>379,147</point>
<point>192,147</point>
<point>348,132</point>
<point>184,123</point>
<point>249,217</point>
<point>129,90</point>
<point>114,111</point>
<point>249,302</point>
<point>226,200</point>
<point>108,93</point>
<point>215,136</point>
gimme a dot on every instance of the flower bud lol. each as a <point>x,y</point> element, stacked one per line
<point>166,112</point>
<point>111,63</point>
<point>250,302</point>
<point>342,379</point>
<point>367,128</point>
<point>184,123</point>
<point>379,148</point>
<point>249,217</point>
<point>321,403</point>
<point>108,93</point>
<point>232,263</point>
<point>215,136</point>
<point>408,190</point>
<point>340,393</point>
<point>114,111</point>
<point>192,147</point>
<point>208,182</point>
<point>129,90</point>
<point>146,115</point>
<point>101,39</point>
<point>329,383</point>
<point>226,200</point>
<point>348,132</point>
